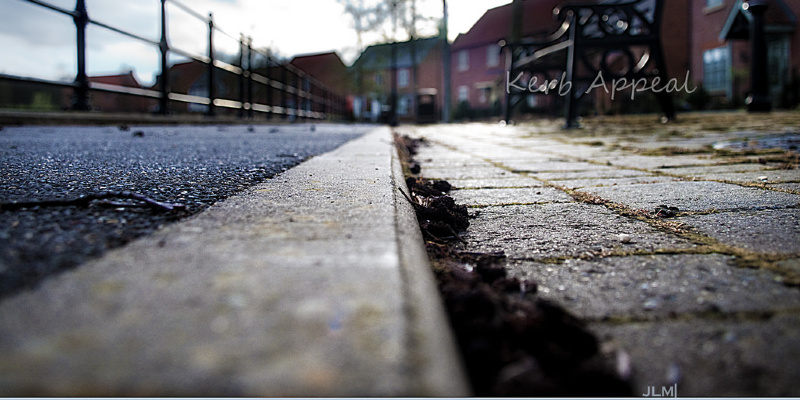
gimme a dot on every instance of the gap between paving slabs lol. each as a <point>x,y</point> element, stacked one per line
<point>513,342</point>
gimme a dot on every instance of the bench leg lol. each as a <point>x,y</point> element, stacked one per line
<point>664,97</point>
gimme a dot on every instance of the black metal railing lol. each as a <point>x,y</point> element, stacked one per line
<point>273,88</point>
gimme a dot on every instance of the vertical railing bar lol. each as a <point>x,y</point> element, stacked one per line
<point>241,78</point>
<point>211,69</point>
<point>250,76</point>
<point>284,93</point>
<point>269,87</point>
<point>297,88</point>
<point>81,18</point>
<point>164,49</point>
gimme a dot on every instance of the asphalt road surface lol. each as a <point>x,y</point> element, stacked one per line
<point>195,166</point>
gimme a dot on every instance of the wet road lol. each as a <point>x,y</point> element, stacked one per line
<point>192,165</point>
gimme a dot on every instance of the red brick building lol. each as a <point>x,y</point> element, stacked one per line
<point>478,70</point>
<point>418,74</point>
<point>326,68</point>
<point>708,39</point>
<point>114,102</point>
<point>720,50</point>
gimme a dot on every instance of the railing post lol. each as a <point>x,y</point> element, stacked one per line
<point>297,87</point>
<point>242,97</point>
<point>268,75</point>
<point>163,46</point>
<point>211,69</point>
<point>81,18</point>
<point>284,92</point>
<point>250,76</point>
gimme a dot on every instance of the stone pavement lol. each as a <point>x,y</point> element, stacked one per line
<point>705,296</point>
<point>314,283</point>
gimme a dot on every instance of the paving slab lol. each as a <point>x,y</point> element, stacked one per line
<point>657,286</point>
<point>712,169</point>
<point>765,231</point>
<point>594,173</point>
<point>695,196</point>
<point>655,162</point>
<point>494,197</point>
<point>749,357</point>
<point>542,231</point>
<point>795,187</point>
<point>515,181</point>
<point>596,182</point>
<point>314,283</point>
<point>466,172</point>
<point>554,165</point>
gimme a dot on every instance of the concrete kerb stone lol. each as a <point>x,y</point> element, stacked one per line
<point>314,283</point>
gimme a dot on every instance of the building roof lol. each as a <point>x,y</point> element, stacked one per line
<point>127,80</point>
<point>495,24</point>
<point>318,65</point>
<point>327,68</point>
<point>379,56</point>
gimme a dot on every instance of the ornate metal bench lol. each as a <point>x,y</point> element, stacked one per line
<point>595,43</point>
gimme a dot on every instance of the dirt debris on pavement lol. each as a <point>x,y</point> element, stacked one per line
<point>512,342</point>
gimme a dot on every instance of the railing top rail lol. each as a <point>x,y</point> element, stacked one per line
<point>44,4</point>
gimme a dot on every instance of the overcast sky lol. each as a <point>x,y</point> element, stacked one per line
<point>40,43</point>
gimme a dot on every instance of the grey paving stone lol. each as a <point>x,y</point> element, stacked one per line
<point>581,183</point>
<point>654,162</point>
<point>454,163</point>
<point>744,358</point>
<point>441,157</point>
<point>712,169</point>
<point>792,264</point>
<point>787,186</point>
<point>491,197</point>
<point>766,176</point>
<point>600,172</point>
<point>553,165</point>
<point>695,196</point>
<point>513,181</point>
<point>657,286</point>
<point>561,230</point>
<point>466,172</point>
<point>764,231</point>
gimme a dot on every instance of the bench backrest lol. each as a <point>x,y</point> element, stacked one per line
<point>619,21</point>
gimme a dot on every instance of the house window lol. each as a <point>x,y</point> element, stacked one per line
<point>463,60</point>
<point>492,55</point>
<point>716,69</point>
<point>379,79</point>
<point>485,95</point>
<point>463,93</point>
<point>402,78</point>
<point>403,105</point>
<point>713,3</point>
